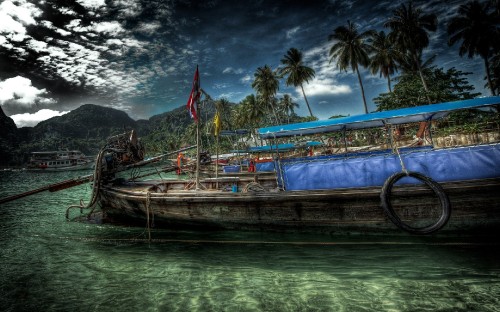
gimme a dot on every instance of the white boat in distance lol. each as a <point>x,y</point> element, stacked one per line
<point>59,161</point>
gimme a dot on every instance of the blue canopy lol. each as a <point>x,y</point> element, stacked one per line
<point>378,119</point>
<point>281,147</point>
<point>234,132</point>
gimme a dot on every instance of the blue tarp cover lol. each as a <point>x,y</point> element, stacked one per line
<point>231,168</point>
<point>264,166</point>
<point>442,165</point>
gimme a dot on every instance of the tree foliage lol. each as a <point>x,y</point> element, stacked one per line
<point>476,28</point>
<point>444,86</point>
<point>410,29</point>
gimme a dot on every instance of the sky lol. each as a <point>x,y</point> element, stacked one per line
<point>140,56</point>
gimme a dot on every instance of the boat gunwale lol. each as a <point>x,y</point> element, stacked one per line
<point>134,193</point>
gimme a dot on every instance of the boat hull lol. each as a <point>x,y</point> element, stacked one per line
<point>475,208</point>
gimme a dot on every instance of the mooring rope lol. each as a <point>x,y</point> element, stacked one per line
<point>403,167</point>
<point>95,187</point>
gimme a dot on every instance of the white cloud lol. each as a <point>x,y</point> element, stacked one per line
<point>23,12</point>
<point>325,87</point>
<point>15,18</point>
<point>36,45</point>
<point>18,90</point>
<point>230,70</point>
<point>148,28</point>
<point>290,33</point>
<point>130,8</point>
<point>67,11</point>
<point>325,81</point>
<point>31,120</point>
<point>220,86</point>
<point>232,96</point>
<point>91,4</point>
<point>49,25</point>
<point>112,28</point>
<point>246,79</point>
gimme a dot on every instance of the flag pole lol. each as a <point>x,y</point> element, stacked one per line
<point>198,139</point>
<point>217,163</point>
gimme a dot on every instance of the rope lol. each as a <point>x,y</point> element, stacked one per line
<point>253,187</point>
<point>403,168</point>
<point>95,187</point>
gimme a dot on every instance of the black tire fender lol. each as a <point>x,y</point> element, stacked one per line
<point>385,197</point>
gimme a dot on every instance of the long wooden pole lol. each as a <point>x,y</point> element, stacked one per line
<point>51,187</point>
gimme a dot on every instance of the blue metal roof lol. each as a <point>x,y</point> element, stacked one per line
<point>378,119</point>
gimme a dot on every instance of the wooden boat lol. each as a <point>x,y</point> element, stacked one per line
<point>62,160</point>
<point>420,190</point>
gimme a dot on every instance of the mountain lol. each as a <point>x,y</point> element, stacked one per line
<point>8,138</point>
<point>87,128</point>
<point>87,121</point>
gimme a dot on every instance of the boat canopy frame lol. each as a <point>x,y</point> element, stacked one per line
<point>378,119</point>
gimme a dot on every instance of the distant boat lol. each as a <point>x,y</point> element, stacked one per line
<point>63,160</point>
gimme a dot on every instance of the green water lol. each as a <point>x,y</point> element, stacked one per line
<point>49,264</point>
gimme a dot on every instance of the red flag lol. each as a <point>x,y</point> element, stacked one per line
<point>194,96</point>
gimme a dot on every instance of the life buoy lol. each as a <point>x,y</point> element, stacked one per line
<point>385,197</point>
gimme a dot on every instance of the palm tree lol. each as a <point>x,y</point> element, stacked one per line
<point>495,73</point>
<point>350,50</point>
<point>476,26</point>
<point>266,84</point>
<point>253,109</point>
<point>249,114</point>
<point>407,64</point>
<point>410,29</point>
<point>296,71</point>
<point>287,105</point>
<point>384,56</point>
<point>224,108</point>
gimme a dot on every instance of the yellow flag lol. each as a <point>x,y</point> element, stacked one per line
<point>217,124</point>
